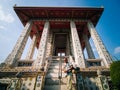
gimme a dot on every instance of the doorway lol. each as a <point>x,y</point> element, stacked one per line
<point>60,43</point>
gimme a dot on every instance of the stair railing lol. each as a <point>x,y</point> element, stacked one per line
<point>60,71</point>
<point>41,78</point>
<point>48,62</point>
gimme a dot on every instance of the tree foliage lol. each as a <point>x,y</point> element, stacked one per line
<point>115,72</point>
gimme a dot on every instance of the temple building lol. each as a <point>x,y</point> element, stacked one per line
<point>57,33</point>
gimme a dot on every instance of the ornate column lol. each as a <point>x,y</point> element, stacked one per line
<point>17,51</point>
<point>88,47</point>
<point>78,54</point>
<point>103,53</point>
<point>42,47</point>
<point>49,44</point>
<point>31,48</point>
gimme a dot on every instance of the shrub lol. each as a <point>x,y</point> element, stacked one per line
<point>115,73</point>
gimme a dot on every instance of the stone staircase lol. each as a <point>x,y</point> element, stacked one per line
<point>52,81</point>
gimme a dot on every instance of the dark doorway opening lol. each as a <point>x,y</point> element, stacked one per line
<point>60,43</point>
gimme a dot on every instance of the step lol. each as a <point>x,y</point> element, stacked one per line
<point>55,66</point>
<point>57,87</point>
<point>54,70</point>
<point>55,81</point>
<point>50,75</point>
<point>56,61</point>
<point>52,64</point>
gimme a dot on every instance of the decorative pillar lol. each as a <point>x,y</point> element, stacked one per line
<point>103,53</point>
<point>78,54</point>
<point>49,44</point>
<point>42,47</point>
<point>88,47</point>
<point>32,48</point>
<point>17,51</point>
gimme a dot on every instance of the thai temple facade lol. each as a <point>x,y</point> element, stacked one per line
<point>57,33</point>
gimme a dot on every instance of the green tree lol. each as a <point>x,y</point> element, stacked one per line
<point>115,74</point>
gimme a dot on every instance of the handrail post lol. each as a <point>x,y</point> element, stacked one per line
<point>60,71</point>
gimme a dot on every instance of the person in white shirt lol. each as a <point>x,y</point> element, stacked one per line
<point>68,70</point>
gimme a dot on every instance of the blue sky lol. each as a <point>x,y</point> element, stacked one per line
<point>108,26</point>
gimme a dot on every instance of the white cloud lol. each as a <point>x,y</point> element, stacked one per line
<point>117,50</point>
<point>2,27</point>
<point>6,17</point>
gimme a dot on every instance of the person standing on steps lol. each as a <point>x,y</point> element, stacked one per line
<point>68,70</point>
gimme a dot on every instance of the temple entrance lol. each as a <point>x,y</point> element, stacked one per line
<point>60,45</point>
